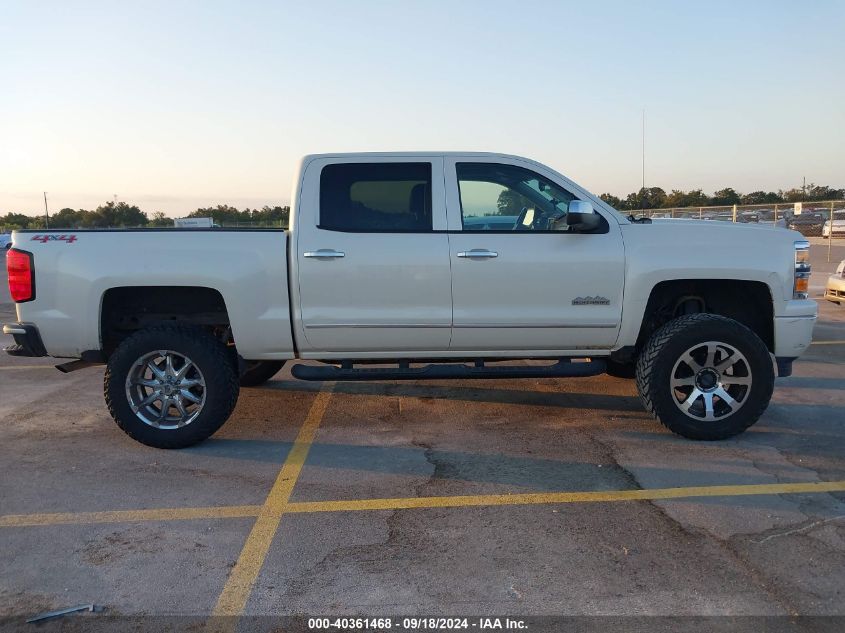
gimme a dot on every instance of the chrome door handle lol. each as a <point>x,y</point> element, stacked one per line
<point>478,252</point>
<point>327,253</point>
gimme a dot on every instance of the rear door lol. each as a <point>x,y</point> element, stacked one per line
<point>521,280</point>
<point>373,257</point>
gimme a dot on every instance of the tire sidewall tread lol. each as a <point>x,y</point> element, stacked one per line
<point>657,360</point>
<point>211,357</point>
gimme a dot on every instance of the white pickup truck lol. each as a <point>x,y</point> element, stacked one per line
<point>414,266</point>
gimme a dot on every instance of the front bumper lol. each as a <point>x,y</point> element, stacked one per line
<point>27,340</point>
<point>835,290</point>
<point>794,328</point>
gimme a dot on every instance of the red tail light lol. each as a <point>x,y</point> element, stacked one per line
<point>21,275</point>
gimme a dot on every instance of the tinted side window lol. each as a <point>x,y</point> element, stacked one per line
<point>375,197</point>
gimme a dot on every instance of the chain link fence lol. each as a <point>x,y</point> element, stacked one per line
<point>813,219</point>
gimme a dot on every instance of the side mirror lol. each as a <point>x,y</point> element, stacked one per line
<point>581,216</point>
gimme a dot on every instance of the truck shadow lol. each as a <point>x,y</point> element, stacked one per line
<point>562,399</point>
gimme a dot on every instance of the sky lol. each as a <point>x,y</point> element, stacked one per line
<point>176,105</point>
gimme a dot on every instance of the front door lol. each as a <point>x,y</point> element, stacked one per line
<point>373,272</point>
<point>522,281</point>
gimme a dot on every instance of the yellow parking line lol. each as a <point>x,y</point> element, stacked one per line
<point>562,497</point>
<point>407,503</point>
<point>353,505</point>
<point>828,343</point>
<point>236,592</point>
<point>128,516</point>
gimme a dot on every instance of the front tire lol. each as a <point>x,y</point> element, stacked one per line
<point>705,377</point>
<point>170,386</point>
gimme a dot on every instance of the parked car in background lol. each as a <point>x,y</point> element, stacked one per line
<point>748,216</point>
<point>5,241</point>
<point>809,223</point>
<point>835,290</point>
<point>838,225</point>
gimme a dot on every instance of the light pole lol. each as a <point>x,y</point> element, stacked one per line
<point>46,212</point>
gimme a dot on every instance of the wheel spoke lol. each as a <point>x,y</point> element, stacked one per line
<point>180,407</point>
<point>736,380</point>
<point>165,407</point>
<point>708,406</point>
<point>147,382</point>
<point>168,365</point>
<point>156,371</point>
<point>183,371</point>
<point>726,397</point>
<point>711,355</point>
<point>726,363</point>
<point>148,400</point>
<point>191,382</point>
<point>689,360</point>
<point>190,396</point>
<point>695,395</point>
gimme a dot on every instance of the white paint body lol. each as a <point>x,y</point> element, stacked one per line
<point>408,295</point>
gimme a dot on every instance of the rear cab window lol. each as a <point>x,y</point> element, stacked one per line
<point>376,197</point>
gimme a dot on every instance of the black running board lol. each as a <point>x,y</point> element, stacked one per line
<point>565,368</point>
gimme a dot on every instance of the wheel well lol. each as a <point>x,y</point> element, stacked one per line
<point>128,309</point>
<point>749,302</point>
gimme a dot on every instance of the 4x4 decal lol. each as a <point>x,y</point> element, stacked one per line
<point>70,238</point>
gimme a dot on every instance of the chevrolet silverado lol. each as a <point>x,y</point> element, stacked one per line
<point>414,266</point>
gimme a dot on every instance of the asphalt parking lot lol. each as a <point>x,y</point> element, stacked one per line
<point>525,497</point>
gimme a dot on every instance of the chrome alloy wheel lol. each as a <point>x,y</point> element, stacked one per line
<point>165,389</point>
<point>711,381</point>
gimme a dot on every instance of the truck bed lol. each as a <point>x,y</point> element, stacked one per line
<point>75,268</point>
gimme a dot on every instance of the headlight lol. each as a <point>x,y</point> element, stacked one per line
<point>801,286</point>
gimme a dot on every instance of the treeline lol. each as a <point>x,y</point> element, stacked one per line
<point>122,214</point>
<point>230,216</point>
<point>657,198</point>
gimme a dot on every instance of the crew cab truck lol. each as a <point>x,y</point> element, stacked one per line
<point>413,266</point>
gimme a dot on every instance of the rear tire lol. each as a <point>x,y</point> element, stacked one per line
<point>170,386</point>
<point>705,377</point>
<point>259,372</point>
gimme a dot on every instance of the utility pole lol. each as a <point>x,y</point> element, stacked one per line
<point>642,191</point>
<point>804,190</point>
<point>46,212</point>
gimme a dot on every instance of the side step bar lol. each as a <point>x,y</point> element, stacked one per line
<point>564,367</point>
